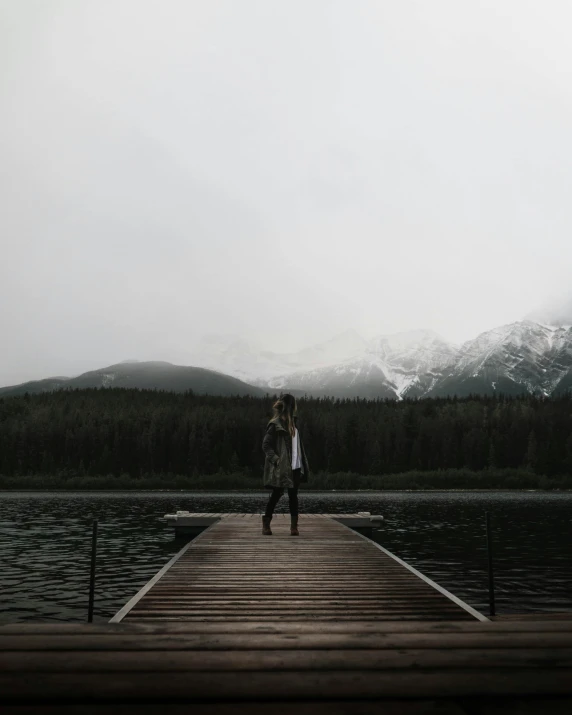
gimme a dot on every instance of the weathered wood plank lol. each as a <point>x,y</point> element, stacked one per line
<point>476,706</point>
<point>284,626</point>
<point>259,660</point>
<point>517,706</point>
<point>286,641</point>
<point>313,707</point>
<point>286,685</point>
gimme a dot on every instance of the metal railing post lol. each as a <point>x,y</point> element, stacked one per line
<point>92,572</point>
<point>492,610</point>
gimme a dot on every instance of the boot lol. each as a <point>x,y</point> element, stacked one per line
<point>266,525</point>
<point>294,526</point>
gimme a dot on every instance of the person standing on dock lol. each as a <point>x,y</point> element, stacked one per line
<point>286,464</point>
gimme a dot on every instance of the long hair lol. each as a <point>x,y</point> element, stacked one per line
<point>285,408</point>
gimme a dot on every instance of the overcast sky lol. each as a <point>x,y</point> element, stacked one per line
<point>283,170</point>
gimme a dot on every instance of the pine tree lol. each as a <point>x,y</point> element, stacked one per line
<point>531,451</point>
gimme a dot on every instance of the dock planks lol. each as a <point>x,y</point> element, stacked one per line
<point>327,623</point>
<point>232,572</point>
<point>467,668</point>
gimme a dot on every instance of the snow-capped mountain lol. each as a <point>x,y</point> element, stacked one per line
<point>525,356</point>
<point>357,377</point>
<point>416,359</point>
<point>520,357</point>
<point>388,366</point>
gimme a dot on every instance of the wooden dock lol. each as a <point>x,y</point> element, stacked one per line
<point>327,623</point>
<point>232,572</point>
<point>191,523</point>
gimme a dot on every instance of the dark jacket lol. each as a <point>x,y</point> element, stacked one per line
<point>277,446</point>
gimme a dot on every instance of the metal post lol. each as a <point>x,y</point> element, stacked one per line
<point>92,573</point>
<point>490,561</point>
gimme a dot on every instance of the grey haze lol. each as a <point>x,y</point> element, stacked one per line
<point>280,171</point>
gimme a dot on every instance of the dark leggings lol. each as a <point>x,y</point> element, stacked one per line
<point>277,492</point>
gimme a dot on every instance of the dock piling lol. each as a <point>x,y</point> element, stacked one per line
<point>92,571</point>
<point>492,609</point>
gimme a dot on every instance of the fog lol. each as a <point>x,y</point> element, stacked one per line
<point>278,170</point>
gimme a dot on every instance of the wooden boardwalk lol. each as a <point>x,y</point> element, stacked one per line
<point>326,623</point>
<point>232,572</point>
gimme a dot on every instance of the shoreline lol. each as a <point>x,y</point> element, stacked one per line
<point>264,491</point>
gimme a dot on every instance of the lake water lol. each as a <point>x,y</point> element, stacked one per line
<point>45,543</point>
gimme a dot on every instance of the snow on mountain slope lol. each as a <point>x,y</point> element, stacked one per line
<point>387,365</point>
<point>524,356</point>
<point>357,377</point>
<point>415,358</point>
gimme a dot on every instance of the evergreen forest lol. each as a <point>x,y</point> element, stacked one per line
<point>105,438</point>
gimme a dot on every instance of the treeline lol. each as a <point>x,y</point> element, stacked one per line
<point>442,480</point>
<point>101,437</point>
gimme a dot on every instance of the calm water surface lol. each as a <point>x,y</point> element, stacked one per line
<point>45,542</point>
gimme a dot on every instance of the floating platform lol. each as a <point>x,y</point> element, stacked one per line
<point>191,523</point>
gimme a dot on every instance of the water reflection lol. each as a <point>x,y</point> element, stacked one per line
<point>45,542</point>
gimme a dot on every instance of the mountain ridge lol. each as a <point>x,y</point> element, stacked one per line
<point>152,374</point>
<point>520,357</point>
